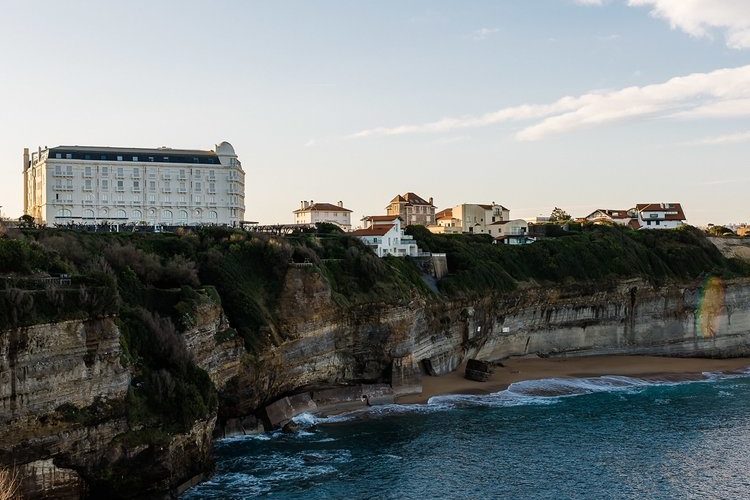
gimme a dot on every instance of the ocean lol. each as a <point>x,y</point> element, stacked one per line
<point>590,438</point>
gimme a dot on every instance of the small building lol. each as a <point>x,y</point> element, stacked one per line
<point>413,209</point>
<point>388,239</point>
<point>445,223</point>
<point>312,213</point>
<point>659,215</point>
<point>380,220</point>
<point>472,218</point>
<point>610,216</point>
<point>511,232</point>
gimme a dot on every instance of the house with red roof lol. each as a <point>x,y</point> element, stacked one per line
<point>310,212</point>
<point>659,215</point>
<point>611,216</point>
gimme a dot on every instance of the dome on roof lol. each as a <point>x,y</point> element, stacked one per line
<point>224,148</point>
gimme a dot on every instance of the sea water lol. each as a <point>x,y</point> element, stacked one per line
<point>604,437</point>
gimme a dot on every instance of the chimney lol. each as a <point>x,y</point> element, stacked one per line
<point>302,205</point>
<point>430,200</point>
<point>26,161</point>
<point>341,204</point>
<point>26,164</point>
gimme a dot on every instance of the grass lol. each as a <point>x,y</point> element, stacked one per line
<point>9,485</point>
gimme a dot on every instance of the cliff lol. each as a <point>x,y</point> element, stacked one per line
<point>184,336</point>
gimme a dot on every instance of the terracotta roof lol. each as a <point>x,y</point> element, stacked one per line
<point>373,231</point>
<point>490,207</point>
<point>634,224</point>
<point>676,208</point>
<point>614,214</point>
<point>381,218</point>
<point>444,214</point>
<point>322,207</point>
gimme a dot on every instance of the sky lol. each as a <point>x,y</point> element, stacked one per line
<point>581,104</point>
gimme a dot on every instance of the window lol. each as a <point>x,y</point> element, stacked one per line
<point>58,169</point>
<point>198,187</point>
<point>136,185</point>
<point>213,215</point>
<point>182,215</point>
<point>105,198</point>
<point>167,214</point>
<point>105,184</point>
<point>182,173</point>
<point>119,158</point>
<point>88,214</point>
<point>212,174</point>
<point>136,173</point>
<point>104,157</point>
<point>137,215</point>
<point>120,185</point>
<point>87,185</point>
<point>152,185</point>
<point>120,171</point>
<point>152,198</point>
<point>135,158</point>
<point>58,155</point>
<point>121,214</point>
<point>70,169</point>
<point>105,170</point>
<point>197,198</point>
<point>68,156</point>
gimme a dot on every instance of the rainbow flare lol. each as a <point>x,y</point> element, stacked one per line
<point>710,306</point>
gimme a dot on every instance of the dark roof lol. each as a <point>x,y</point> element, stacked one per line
<point>490,207</point>
<point>322,207</point>
<point>621,214</point>
<point>675,209</point>
<point>415,199</point>
<point>381,218</point>
<point>161,155</point>
<point>398,199</point>
<point>378,230</point>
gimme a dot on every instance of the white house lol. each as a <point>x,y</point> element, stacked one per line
<point>312,213</point>
<point>659,215</point>
<point>611,216</point>
<point>510,232</point>
<point>388,239</point>
<point>473,218</point>
<point>94,185</point>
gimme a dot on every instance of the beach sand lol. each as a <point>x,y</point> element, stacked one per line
<point>517,369</point>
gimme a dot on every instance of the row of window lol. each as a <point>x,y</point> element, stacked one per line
<point>212,160</point>
<point>138,214</point>
<point>182,173</point>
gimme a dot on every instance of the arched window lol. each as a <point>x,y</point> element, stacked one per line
<point>88,214</point>
<point>182,215</point>
<point>137,215</point>
<point>121,214</point>
<point>167,214</point>
<point>63,212</point>
<point>213,215</point>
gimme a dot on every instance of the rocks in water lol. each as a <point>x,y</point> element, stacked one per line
<point>287,408</point>
<point>479,371</point>
<point>291,427</point>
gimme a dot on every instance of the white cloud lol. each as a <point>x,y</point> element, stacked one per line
<point>700,18</point>
<point>724,92</point>
<point>483,33</point>
<point>310,143</point>
<point>589,2</point>
<point>726,139</point>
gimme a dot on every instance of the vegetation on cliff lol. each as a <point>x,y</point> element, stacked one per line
<point>588,253</point>
<point>156,284</point>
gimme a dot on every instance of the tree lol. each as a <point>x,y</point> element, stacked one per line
<point>559,215</point>
<point>719,231</point>
<point>26,221</point>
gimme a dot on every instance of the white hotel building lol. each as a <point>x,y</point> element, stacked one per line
<point>163,186</point>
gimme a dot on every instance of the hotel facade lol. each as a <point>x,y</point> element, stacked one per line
<point>163,186</point>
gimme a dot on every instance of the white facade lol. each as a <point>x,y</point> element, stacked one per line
<point>511,232</point>
<point>312,213</point>
<point>164,186</point>
<point>477,218</point>
<point>660,215</point>
<point>387,240</point>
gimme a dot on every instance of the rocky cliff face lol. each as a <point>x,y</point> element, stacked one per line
<point>322,345</point>
<point>62,411</point>
<point>47,370</point>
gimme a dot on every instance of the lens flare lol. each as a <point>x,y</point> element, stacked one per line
<point>710,306</point>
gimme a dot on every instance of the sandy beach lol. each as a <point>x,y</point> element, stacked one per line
<point>517,369</point>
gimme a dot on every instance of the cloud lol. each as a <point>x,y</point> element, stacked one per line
<point>700,18</point>
<point>726,139</point>
<point>483,33</point>
<point>724,92</point>
<point>310,143</point>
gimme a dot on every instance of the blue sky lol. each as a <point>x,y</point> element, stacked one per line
<point>359,101</point>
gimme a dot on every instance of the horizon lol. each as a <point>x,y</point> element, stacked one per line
<point>578,104</point>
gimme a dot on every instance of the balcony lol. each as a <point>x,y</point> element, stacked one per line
<point>166,190</point>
